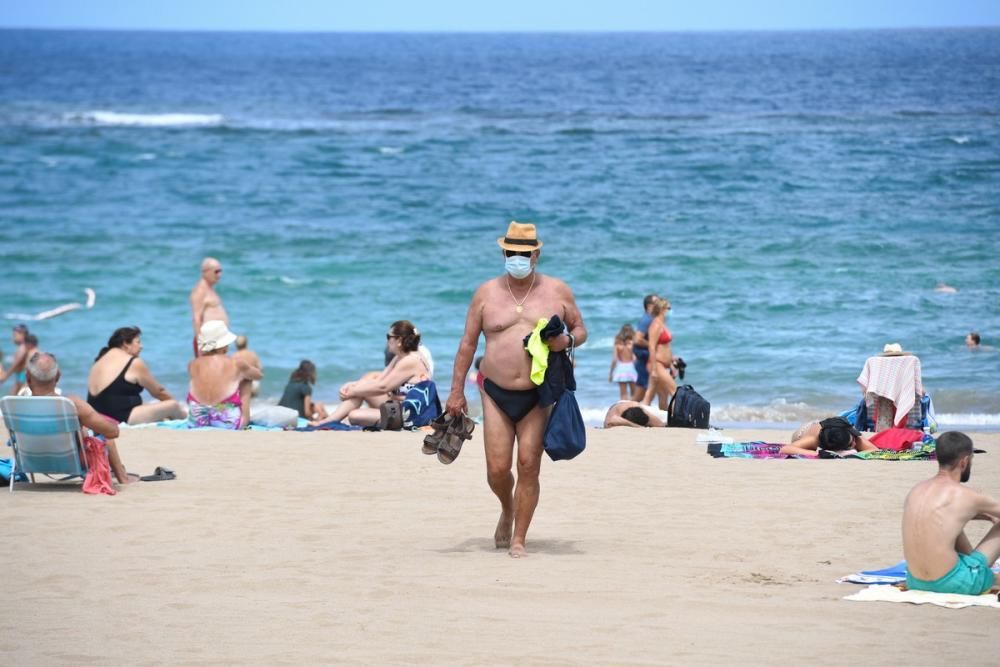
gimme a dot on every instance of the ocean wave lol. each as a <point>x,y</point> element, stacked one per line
<point>967,418</point>
<point>959,140</point>
<point>146,119</point>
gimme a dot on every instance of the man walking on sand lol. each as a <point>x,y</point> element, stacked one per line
<point>939,556</point>
<point>506,309</point>
<point>206,304</point>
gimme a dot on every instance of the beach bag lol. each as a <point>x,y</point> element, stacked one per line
<point>391,416</point>
<point>565,435</point>
<point>688,409</point>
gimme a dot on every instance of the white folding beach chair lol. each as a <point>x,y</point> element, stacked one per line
<point>45,434</point>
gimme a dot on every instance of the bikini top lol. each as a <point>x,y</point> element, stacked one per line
<point>665,337</point>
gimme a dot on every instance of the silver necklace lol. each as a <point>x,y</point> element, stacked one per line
<point>519,305</point>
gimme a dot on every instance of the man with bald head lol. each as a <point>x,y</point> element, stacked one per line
<point>43,376</point>
<point>206,304</point>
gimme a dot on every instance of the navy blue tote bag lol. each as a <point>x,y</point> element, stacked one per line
<point>565,435</point>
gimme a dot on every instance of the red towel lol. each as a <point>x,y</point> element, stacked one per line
<point>896,439</point>
<point>98,479</point>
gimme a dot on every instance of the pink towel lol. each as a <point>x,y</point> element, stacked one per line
<point>98,479</point>
<point>897,439</point>
<point>895,378</point>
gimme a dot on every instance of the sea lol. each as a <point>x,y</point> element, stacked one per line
<point>802,199</point>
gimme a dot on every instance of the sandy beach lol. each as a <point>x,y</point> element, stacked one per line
<point>355,548</point>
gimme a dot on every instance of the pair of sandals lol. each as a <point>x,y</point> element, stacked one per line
<point>450,433</point>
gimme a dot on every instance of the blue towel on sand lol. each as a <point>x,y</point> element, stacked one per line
<point>6,465</point>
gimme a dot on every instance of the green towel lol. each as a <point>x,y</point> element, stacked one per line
<point>539,351</point>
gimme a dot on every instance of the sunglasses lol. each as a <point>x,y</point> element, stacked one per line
<point>517,253</point>
<point>390,336</point>
<point>218,271</point>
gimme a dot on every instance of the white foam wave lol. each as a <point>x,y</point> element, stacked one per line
<point>148,119</point>
<point>389,150</point>
<point>960,140</point>
<point>944,418</point>
<point>778,410</point>
<point>292,281</point>
<point>145,157</point>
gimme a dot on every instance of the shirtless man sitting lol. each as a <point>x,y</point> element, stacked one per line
<point>206,304</point>
<point>631,413</point>
<point>43,376</point>
<point>939,557</point>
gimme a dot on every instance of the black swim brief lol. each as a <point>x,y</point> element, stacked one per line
<point>515,403</point>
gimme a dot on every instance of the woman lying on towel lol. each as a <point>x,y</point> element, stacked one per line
<point>834,434</point>
<point>407,368</point>
<point>214,397</point>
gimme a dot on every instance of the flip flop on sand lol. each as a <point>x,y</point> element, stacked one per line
<point>458,432</point>
<point>161,474</point>
<point>432,442</point>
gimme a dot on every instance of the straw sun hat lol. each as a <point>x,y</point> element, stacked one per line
<point>893,350</point>
<point>520,237</point>
<point>214,335</point>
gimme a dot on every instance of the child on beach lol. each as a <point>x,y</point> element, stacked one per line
<point>622,368</point>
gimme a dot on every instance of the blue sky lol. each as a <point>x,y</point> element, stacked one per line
<point>502,15</point>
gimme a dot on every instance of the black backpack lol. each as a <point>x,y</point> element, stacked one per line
<point>688,409</point>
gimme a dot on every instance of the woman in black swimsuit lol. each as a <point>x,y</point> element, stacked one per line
<point>118,377</point>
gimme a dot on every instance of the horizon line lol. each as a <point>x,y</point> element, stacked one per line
<point>521,31</point>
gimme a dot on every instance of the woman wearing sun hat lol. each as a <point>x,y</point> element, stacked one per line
<point>214,393</point>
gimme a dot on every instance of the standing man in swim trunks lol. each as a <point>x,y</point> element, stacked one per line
<point>17,367</point>
<point>640,347</point>
<point>206,304</point>
<point>939,557</point>
<point>506,310</point>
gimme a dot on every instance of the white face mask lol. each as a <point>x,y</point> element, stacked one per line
<point>518,267</point>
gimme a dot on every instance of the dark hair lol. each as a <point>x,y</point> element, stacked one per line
<point>648,300</point>
<point>409,337</point>
<point>975,337</point>
<point>306,372</point>
<point>836,434</point>
<point>636,415</point>
<point>121,336</point>
<point>952,446</point>
<point>31,340</point>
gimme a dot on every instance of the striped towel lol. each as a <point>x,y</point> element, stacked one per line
<point>895,378</point>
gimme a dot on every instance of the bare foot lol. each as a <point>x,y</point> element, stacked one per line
<point>502,535</point>
<point>517,550</point>
<point>130,478</point>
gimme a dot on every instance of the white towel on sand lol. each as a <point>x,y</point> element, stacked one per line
<point>882,593</point>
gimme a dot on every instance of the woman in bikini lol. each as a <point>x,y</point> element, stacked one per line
<point>661,358</point>
<point>214,394</point>
<point>118,378</point>
<point>407,368</point>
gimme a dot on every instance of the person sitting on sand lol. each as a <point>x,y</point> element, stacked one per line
<point>117,378</point>
<point>631,413</point>
<point>43,376</point>
<point>214,394</point>
<point>244,352</point>
<point>407,368</point>
<point>834,434</point>
<point>298,392</point>
<point>939,556</point>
